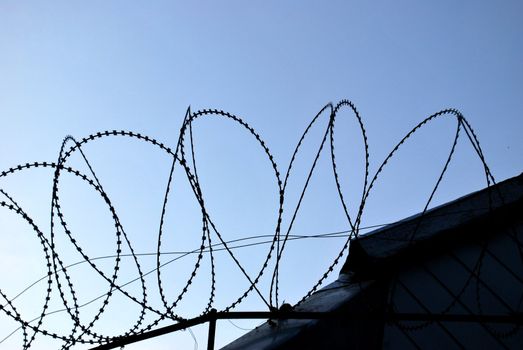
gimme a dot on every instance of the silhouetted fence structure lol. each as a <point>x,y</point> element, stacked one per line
<point>183,156</point>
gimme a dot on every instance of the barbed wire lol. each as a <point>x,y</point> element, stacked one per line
<point>184,158</point>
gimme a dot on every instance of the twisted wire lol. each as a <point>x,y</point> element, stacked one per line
<point>184,164</point>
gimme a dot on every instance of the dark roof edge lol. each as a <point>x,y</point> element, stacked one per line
<point>341,296</point>
<point>438,224</point>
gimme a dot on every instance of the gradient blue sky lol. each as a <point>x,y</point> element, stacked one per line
<point>70,67</point>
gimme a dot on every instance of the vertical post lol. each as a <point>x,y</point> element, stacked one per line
<point>212,330</point>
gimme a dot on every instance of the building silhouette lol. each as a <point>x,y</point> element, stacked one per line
<point>449,278</point>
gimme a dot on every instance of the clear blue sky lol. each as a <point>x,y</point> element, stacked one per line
<point>70,67</point>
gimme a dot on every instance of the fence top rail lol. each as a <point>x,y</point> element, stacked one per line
<point>213,315</point>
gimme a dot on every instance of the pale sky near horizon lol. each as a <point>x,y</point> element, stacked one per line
<point>76,68</point>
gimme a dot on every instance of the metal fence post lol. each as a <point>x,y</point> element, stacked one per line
<point>212,329</point>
